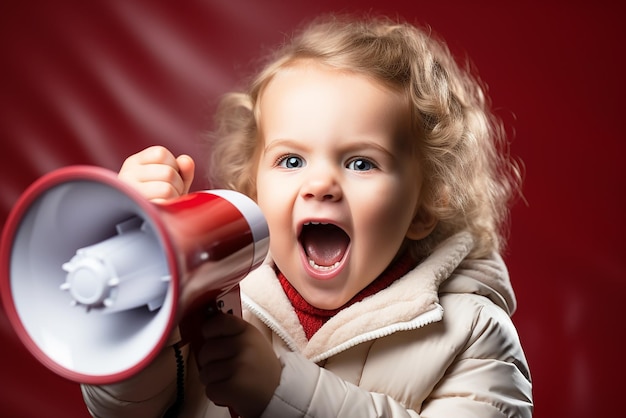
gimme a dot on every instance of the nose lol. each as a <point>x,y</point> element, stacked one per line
<point>321,184</point>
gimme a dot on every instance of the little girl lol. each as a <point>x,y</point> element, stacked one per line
<point>381,173</point>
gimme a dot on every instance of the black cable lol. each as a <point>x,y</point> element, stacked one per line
<point>173,410</point>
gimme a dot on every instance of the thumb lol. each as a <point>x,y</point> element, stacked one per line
<point>186,167</point>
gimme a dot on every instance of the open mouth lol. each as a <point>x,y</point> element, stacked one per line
<point>324,244</point>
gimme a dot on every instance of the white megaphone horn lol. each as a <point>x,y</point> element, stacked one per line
<point>95,277</point>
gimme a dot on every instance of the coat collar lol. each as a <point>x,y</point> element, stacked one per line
<point>410,302</point>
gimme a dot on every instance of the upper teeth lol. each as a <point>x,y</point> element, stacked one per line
<point>316,223</point>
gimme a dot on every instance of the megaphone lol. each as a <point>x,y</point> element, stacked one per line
<point>95,277</point>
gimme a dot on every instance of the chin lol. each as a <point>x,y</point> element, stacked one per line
<point>325,303</point>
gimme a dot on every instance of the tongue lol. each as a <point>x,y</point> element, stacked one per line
<point>324,244</point>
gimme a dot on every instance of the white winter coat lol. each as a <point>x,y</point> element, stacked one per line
<point>438,342</point>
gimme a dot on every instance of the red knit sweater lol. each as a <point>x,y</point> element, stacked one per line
<point>313,318</point>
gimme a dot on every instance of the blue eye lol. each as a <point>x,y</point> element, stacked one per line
<point>291,161</point>
<point>360,164</point>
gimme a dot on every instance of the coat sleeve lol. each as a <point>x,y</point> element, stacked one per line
<point>147,394</point>
<point>489,376</point>
<point>307,390</point>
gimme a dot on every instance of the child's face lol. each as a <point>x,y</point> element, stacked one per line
<point>332,154</point>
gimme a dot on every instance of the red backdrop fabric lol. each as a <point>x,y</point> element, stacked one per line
<point>93,82</point>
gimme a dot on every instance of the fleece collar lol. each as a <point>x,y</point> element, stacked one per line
<point>410,302</point>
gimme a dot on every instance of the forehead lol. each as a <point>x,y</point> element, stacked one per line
<point>310,97</point>
<point>308,72</point>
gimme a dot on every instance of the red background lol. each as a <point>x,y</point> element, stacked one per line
<point>91,82</point>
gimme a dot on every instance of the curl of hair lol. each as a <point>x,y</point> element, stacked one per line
<point>469,176</point>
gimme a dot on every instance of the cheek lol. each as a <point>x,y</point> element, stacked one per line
<point>265,193</point>
<point>275,205</point>
<point>389,220</point>
<point>387,215</point>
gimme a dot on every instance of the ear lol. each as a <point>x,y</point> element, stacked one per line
<point>422,225</point>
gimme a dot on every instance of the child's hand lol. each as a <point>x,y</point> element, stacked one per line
<point>157,174</point>
<point>237,365</point>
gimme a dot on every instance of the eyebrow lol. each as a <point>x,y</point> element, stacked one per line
<point>364,144</point>
<point>355,145</point>
<point>286,142</point>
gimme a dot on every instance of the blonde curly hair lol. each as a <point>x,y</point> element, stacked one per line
<point>470,178</point>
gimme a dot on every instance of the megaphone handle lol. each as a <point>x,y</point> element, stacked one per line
<point>228,302</point>
<point>174,409</point>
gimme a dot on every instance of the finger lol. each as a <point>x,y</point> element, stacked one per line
<point>220,378</point>
<point>186,169</point>
<point>154,182</point>
<point>222,335</point>
<point>222,325</point>
<point>217,372</point>
<point>150,155</point>
<point>157,191</point>
<point>161,173</point>
<point>216,351</point>
<point>156,154</point>
<point>155,173</point>
<point>153,163</point>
